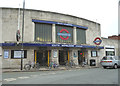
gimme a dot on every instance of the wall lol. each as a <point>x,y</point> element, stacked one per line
<point>15,63</point>
<point>110,42</point>
<point>10,19</point>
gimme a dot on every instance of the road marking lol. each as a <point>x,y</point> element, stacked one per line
<point>34,75</point>
<point>10,79</point>
<point>52,73</point>
<point>24,77</point>
<point>43,74</point>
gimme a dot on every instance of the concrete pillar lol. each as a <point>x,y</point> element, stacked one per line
<point>74,36</point>
<point>54,56</point>
<point>75,56</point>
<point>89,55</point>
<point>53,33</point>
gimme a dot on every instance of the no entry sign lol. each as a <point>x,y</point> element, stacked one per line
<point>97,41</point>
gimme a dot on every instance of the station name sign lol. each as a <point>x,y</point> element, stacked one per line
<point>59,23</point>
<point>52,45</point>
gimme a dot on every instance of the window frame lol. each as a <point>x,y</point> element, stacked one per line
<point>13,51</point>
<point>94,52</point>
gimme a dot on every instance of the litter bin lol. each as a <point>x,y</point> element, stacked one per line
<point>92,62</point>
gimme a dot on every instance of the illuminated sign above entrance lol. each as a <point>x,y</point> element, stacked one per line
<point>64,34</point>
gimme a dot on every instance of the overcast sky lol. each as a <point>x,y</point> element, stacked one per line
<point>104,12</point>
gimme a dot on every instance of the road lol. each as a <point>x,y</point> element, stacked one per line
<point>77,76</point>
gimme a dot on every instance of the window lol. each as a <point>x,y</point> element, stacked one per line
<point>64,34</point>
<point>16,54</point>
<point>81,36</point>
<point>6,54</point>
<point>94,54</point>
<point>110,53</point>
<point>104,58</point>
<point>43,32</point>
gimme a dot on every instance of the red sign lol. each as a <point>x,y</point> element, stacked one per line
<point>97,41</point>
<point>66,35</point>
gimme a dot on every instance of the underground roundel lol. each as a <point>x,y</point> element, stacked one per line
<point>97,41</point>
<point>64,34</point>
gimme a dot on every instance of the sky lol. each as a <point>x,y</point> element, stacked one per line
<point>104,12</point>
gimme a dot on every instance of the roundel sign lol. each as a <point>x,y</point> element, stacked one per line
<point>64,34</point>
<point>97,41</point>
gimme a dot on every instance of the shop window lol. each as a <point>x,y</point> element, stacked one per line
<point>43,32</point>
<point>81,36</point>
<point>110,53</point>
<point>94,54</point>
<point>17,54</point>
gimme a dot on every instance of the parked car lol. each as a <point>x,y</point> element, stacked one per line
<point>110,61</point>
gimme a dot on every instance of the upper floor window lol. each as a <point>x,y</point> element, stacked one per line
<point>64,34</point>
<point>81,36</point>
<point>43,32</point>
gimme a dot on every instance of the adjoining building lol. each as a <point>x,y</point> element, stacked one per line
<point>50,36</point>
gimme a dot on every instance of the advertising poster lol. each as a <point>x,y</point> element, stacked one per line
<point>55,54</point>
<point>6,54</point>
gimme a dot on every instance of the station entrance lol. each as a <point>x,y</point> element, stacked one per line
<point>42,57</point>
<point>63,57</point>
<point>81,57</point>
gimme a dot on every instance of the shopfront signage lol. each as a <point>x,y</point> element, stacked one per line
<point>59,23</point>
<point>52,45</point>
<point>6,54</point>
<point>55,53</point>
<point>66,34</point>
<point>97,41</point>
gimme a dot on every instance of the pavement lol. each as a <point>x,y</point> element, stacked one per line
<point>4,70</point>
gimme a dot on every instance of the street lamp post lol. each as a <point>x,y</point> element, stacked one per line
<point>22,36</point>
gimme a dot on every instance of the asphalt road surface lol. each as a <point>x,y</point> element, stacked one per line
<point>77,76</point>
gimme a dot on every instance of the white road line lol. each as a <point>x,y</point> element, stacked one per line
<point>10,79</point>
<point>33,75</point>
<point>52,73</point>
<point>24,77</point>
<point>43,74</point>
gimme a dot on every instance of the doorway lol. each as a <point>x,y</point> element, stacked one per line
<point>63,57</point>
<point>42,57</point>
<point>81,57</point>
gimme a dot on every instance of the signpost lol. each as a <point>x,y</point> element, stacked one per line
<point>22,35</point>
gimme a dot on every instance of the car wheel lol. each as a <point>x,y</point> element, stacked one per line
<point>115,66</point>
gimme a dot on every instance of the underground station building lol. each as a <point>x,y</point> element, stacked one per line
<point>51,37</point>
